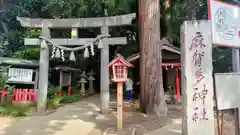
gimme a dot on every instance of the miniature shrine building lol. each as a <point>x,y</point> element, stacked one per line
<point>65,75</point>
<point>171,64</point>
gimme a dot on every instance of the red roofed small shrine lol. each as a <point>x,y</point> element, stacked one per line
<point>171,64</point>
<point>119,68</point>
<point>119,59</point>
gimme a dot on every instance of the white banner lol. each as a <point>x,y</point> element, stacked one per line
<point>225,23</point>
<point>20,75</point>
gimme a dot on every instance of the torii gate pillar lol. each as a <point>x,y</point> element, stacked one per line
<point>43,75</point>
<point>104,81</point>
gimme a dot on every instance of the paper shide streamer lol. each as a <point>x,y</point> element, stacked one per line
<point>58,50</point>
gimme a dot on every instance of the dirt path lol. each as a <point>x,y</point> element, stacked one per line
<point>72,119</point>
<point>81,118</point>
<point>4,123</point>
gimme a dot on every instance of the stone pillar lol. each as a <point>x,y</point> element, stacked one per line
<point>43,72</point>
<point>82,82</point>
<point>198,82</point>
<point>91,79</point>
<point>104,81</point>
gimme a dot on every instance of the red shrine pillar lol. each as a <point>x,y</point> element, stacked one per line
<point>178,85</point>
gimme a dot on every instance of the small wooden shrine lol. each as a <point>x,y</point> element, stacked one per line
<point>171,64</point>
<point>119,67</point>
<point>65,75</point>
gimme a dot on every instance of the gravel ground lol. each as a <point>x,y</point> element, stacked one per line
<point>226,119</point>
<point>139,120</point>
<point>132,121</point>
<point>4,123</point>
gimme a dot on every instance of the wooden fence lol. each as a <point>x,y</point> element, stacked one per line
<point>19,95</point>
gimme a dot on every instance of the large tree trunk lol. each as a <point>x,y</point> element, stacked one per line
<point>152,93</point>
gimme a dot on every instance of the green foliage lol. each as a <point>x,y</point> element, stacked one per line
<point>172,16</point>
<point>3,42</point>
<point>3,78</point>
<point>54,101</point>
<point>33,33</point>
<point>52,91</point>
<point>14,110</point>
<point>29,53</point>
<point>70,99</point>
<point>13,33</point>
<point>11,42</point>
<point>86,8</point>
<point>178,12</point>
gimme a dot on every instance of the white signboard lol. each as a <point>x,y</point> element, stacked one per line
<point>227,90</point>
<point>225,23</point>
<point>198,81</point>
<point>20,75</point>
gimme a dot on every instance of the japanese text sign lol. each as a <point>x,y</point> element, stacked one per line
<point>197,67</point>
<point>20,75</point>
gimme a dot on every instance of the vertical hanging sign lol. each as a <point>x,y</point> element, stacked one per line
<point>198,82</point>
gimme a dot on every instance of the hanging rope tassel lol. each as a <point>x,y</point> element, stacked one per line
<point>57,54</point>
<point>86,53</point>
<point>72,56</point>
<point>92,49</point>
<point>62,55</point>
<point>53,52</point>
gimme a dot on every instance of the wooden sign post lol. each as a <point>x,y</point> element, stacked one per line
<point>119,105</point>
<point>197,84</point>
<point>120,70</point>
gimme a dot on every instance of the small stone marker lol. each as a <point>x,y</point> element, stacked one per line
<point>197,86</point>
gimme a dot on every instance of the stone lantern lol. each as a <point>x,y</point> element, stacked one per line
<point>91,79</point>
<point>82,83</point>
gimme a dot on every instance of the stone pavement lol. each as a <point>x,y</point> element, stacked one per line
<point>81,118</point>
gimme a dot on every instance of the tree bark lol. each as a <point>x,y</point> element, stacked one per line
<point>152,93</point>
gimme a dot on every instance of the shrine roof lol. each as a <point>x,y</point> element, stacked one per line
<point>120,58</point>
<point>19,62</point>
<point>165,46</point>
<point>66,68</point>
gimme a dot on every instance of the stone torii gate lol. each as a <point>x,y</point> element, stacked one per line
<point>74,24</point>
